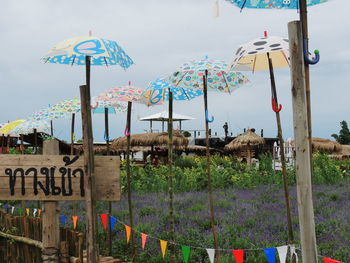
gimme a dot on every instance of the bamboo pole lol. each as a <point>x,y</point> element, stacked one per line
<point>128,173</point>
<point>24,240</point>
<point>210,191</point>
<point>283,159</point>
<point>89,167</point>
<point>170,177</point>
<point>302,146</point>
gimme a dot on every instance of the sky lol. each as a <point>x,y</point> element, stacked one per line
<point>160,35</point>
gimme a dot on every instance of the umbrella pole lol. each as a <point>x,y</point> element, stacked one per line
<point>51,127</point>
<point>89,164</point>
<point>109,230</point>
<point>210,191</point>
<point>35,141</point>
<point>2,143</point>
<point>72,135</point>
<point>283,159</point>
<point>170,177</point>
<point>128,173</point>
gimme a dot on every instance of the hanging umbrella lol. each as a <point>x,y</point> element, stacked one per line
<point>267,53</point>
<point>203,75</point>
<point>162,90</point>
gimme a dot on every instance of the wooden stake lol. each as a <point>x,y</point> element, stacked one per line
<point>89,167</point>
<point>302,146</point>
<point>170,178</point>
<point>210,191</point>
<point>50,223</point>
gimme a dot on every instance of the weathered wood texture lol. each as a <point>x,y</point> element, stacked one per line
<point>20,240</point>
<point>45,172</point>
<point>302,146</point>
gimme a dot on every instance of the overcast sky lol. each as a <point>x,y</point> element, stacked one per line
<point>160,35</point>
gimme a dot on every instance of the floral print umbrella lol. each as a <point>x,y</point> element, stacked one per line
<point>28,127</point>
<point>124,94</point>
<point>9,126</point>
<point>268,4</point>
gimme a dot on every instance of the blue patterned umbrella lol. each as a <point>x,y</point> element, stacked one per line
<point>268,4</point>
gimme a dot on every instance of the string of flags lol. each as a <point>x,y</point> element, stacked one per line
<point>238,254</point>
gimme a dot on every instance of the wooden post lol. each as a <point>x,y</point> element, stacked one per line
<point>72,135</point>
<point>51,127</point>
<point>22,146</point>
<point>170,178</point>
<point>302,146</point>
<point>50,223</point>
<point>35,141</point>
<point>128,173</point>
<point>107,130</point>
<point>90,186</point>
<point>210,191</point>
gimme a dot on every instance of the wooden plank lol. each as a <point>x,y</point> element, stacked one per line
<point>26,177</point>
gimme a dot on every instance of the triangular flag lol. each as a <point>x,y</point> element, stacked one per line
<point>6,206</point>
<point>143,240</point>
<point>63,220</point>
<point>35,211</point>
<point>20,211</point>
<point>75,220</point>
<point>39,212</point>
<point>270,254</point>
<point>186,252</point>
<point>211,254</point>
<point>282,253</point>
<point>238,254</point>
<point>12,210</point>
<point>329,260</point>
<point>163,245</point>
<point>104,220</point>
<point>216,9</point>
<point>112,222</point>
<point>28,211</point>
<point>293,253</point>
<point>128,232</point>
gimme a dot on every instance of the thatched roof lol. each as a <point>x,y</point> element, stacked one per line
<point>321,144</point>
<point>242,141</point>
<point>149,139</point>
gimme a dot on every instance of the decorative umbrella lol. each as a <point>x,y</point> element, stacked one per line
<point>28,127</point>
<point>203,75</point>
<point>267,53</point>
<point>161,90</point>
<point>10,126</point>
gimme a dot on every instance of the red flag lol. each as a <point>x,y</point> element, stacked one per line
<point>238,254</point>
<point>104,220</point>
<point>329,260</point>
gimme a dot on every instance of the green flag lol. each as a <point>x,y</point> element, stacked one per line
<point>186,252</point>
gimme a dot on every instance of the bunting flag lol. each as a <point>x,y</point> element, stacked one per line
<point>35,211</point>
<point>211,254</point>
<point>39,212</point>
<point>329,260</point>
<point>75,220</point>
<point>12,210</point>
<point>63,220</point>
<point>186,253</point>
<point>112,222</point>
<point>282,253</point>
<point>128,232</point>
<point>6,206</point>
<point>270,254</point>
<point>293,253</point>
<point>104,220</point>
<point>143,240</point>
<point>163,245</point>
<point>20,211</point>
<point>238,254</point>
<point>28,211</point>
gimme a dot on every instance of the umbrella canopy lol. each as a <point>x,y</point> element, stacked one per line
<point>249,138</point>
<point>190,75</point>
<point>158,91</point>
<point>252,56</point>
<point>164,116</point>
<point>150,139</point>
<point>9,126</point>
<point>74,50</point>
<point>28,127</point>
<point>124,94</point>
<point>277,4</point>
<point>99,105</point>
<point>66,106</point>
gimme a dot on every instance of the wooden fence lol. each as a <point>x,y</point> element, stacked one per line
<point>20,240</point>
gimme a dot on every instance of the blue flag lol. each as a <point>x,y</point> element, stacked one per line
<point>112,221</point>
<point>63,220</point>
<point>270,254</point>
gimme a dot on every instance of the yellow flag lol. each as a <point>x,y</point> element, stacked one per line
<point>128,232</point>
<point>163,245</point>
<point>75,219</point>
<point>28,211</point>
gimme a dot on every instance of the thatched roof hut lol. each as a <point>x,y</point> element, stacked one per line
<point>247,139</point>
<point>149,139</point>
<point>321,144</point>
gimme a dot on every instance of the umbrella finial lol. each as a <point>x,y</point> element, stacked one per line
<point>206,57</point>
<point>265,33</point>
<point>90,33</point>
<point>129,83</point>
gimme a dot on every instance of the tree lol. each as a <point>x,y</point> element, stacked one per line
<point>344,134</point>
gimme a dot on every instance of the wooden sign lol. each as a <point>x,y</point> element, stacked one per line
<point>56,177</point>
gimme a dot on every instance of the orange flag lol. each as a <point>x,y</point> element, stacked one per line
<point>128,232</point>
<point>143,238</point>
<point>75,220</point>
<point>28,211</point>
<point>39,212</point>
<point>163,245</point>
